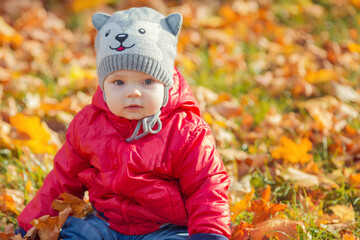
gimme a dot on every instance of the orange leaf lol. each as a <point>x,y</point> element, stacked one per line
<point>263,209</point>
<point>241,205</point>
<point>12,200</point>
<point>8,34</point>
<point>240,232</point>
<point>348,236</point>
<point>355,180</point>
<point>292,152</point>
<point>266,194</point>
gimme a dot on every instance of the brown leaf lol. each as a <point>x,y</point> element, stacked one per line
<point>76,204</point>
<point>31,234</point>
<point>48,227</point>
<point>282,229</point>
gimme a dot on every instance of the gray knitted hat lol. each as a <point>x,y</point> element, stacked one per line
<point>138,39</point>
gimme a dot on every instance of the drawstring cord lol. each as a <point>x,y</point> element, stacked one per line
<point>148,124</point>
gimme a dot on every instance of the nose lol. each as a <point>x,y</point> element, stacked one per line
<point>134,92</point>
<point>121,37</point>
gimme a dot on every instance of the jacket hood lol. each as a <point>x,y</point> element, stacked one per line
<point>180,97</point>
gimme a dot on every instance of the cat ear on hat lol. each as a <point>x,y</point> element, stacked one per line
<point>99,19</point>
<point>174,21</point>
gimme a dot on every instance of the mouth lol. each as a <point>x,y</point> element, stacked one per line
<point>121,47</point>
<point>133,107</point>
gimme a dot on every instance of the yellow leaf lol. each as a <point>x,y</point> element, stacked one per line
<point>29,188</point>
<point>79,5</point>
<point>323,75</point>
<point>207,117</point>
<point>39,137</point>
<point>345,213</point>
<point>31,126</point>
<point>292,152</point>
<point>353,47</point>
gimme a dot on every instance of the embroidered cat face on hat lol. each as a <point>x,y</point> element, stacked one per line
<point>139,39</point>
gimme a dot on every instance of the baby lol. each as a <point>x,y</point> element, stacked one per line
<point>141,149</point>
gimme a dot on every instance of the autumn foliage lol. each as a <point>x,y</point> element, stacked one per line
<point>277,81</point>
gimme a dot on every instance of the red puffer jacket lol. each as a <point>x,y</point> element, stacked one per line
<point>175,176</point>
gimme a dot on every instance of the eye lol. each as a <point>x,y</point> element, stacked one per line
<point>142,31</point>
<point>107,33</point>
<point>148,81</point>
<point>119,82</point>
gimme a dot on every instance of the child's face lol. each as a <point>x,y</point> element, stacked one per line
<point>132,94</point>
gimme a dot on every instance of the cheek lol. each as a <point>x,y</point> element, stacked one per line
<point>112,100</point>
<point>159,98</point>
<point>154,100</point>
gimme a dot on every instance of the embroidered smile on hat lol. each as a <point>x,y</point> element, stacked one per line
<point>138,39</point>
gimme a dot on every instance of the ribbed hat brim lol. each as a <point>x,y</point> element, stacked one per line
<point>134,62</point>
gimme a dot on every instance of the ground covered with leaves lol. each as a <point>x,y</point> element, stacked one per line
<point>277,81</point>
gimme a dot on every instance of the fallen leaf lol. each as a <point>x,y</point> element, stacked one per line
<point>345,213</point>
<point>353,47</point>
<point>300,178</point>
<point>323,75</point>
<point>355,180</point>
<point>78,206</point>
<point>8,34</point>
<point>240,231</point>
<point>241,205</point>
<point>39,138</point>
<point>281,229</point>
<point>349,236</point>
<point>346,93</point>
<point>228,109</point>
<point>292,152</point>
<point>79,5</point>
<point>12,200</point>
<point>263,209</point>
<point>49,227</point>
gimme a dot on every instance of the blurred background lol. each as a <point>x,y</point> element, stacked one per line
<point>277,81</point>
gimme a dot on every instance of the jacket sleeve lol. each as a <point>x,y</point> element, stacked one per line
<point>204,182</point>
<point>63,178</point>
